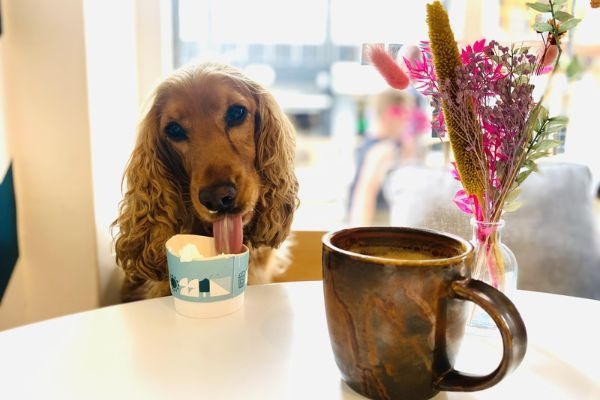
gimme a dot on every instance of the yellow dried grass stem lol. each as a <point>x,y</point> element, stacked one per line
<point>462,130</point>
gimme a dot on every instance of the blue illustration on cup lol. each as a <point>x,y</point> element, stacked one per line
<point>207,279</point>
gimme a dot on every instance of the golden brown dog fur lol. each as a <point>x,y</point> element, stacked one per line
<point>164,177</point>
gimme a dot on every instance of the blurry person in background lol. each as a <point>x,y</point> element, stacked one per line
<point>394,139</point>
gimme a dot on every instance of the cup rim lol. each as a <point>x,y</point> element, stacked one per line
<point>189,236</point>
<point>468,248</point>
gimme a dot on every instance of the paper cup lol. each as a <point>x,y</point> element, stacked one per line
<point>205,284</point>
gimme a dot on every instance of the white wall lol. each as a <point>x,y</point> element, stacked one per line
<point>47,123</point>
<point>71,95</point>
<point>112,96</point>
<point>123,65</point>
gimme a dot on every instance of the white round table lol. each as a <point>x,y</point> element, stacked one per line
<point>276,347</point>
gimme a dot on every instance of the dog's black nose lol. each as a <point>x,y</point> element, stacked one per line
<point>219,198</point>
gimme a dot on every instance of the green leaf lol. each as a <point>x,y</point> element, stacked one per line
<point>549,144</point>
<point>511,206</point>
<point>530,165</point>
<point>513,194</point>
<point>559,2</point>
<point>569,24</point>
<point>553,125</point>
<point>541,7</point>
<point>562,16</point>
<point>523,175</point>
<point>537,155</point>
<point>541,116</point>
<point>553,128</point>
<point>574,69</point>
<point>511,202</point>
<point>518,48</point>
<point>542,27</point>
<point>559,119</point>
<point>521,79</point>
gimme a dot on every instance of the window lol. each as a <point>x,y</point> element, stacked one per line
<point>309,54</point>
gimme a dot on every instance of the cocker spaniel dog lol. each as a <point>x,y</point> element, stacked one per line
<point>214,152</point>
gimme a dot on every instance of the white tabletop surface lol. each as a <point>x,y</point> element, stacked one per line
<point>276,347</point>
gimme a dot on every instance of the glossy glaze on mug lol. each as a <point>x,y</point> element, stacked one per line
<point>395,325</point>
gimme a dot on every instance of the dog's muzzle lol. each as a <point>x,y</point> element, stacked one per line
<point>219,198</point>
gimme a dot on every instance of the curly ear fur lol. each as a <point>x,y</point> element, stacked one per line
<point>153,207</point>
<point>275,145</point>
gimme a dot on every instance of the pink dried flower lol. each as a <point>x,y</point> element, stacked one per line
<point>388,68</point>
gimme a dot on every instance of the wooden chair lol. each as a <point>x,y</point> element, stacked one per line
<point>306,257</point>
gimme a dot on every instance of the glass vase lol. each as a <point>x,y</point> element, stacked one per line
<point>495,264</point>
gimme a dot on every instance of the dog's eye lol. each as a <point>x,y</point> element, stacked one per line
<point>235,115</point>
<point>175,132</point>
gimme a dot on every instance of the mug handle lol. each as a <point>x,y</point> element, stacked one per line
<point>512,329</point>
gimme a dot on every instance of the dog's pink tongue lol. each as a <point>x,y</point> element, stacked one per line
<point>228,234</point>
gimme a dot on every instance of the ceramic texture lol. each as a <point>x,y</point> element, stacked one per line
<point>396,325</point>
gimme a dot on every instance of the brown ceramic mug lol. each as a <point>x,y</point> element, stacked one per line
<point>397,300</point>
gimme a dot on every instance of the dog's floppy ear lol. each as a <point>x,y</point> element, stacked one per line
<point>275,146</point>
<point>152,205</point>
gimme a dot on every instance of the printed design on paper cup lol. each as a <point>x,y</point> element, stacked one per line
<point>242,279</point>
<point>219,279</point>
<point>174,283</point>
<point>204,287</point>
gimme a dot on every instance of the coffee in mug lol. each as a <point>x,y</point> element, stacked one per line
<point>397,301</point>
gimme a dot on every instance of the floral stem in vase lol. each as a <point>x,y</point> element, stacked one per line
<point>489,254</point>
<point>495,264</point>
